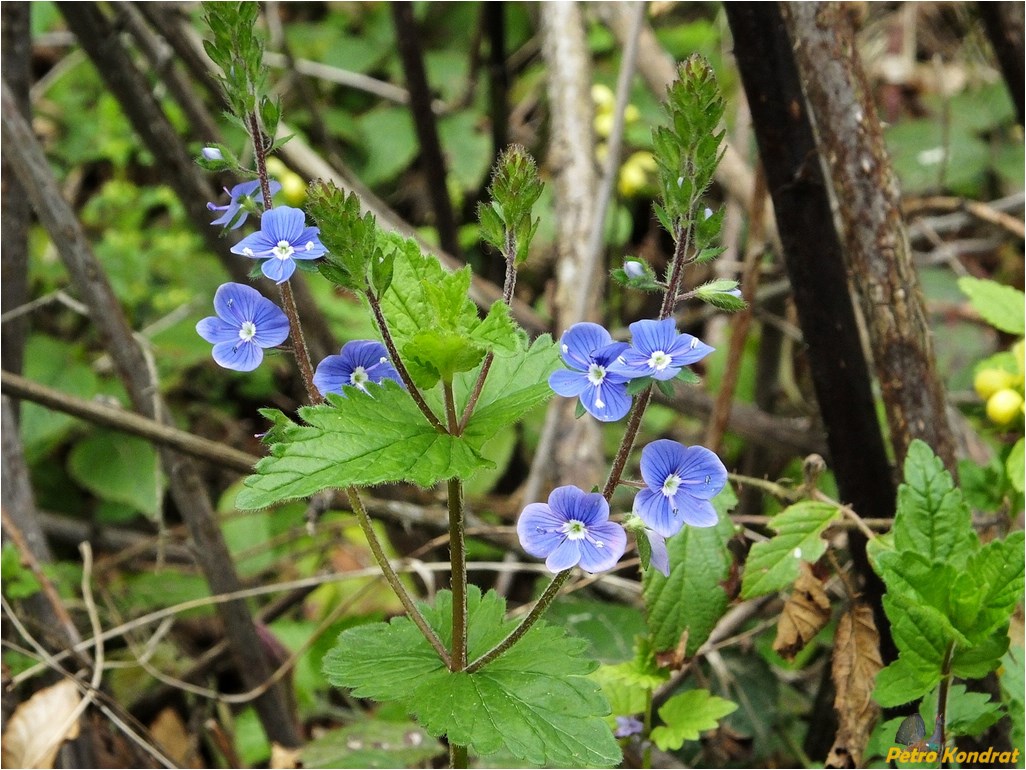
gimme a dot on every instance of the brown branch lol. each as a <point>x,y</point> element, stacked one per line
<point>134,370</point>
<point>128,422</point>
<point>876,242</point>
<point>408,42</point>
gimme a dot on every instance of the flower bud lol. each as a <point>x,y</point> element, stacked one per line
<point>212,153</point>
<point>633,268</point>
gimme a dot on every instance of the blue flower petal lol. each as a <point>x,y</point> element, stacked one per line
<point>308,245</point>
<point>688,350</point>
<point>566,555</point>
<point>255,245</point>
<point>571,502</point>
<point>283,223</point>
<point>272,325</point>
<point>238,355</point>
<point>569,383</point>
<point>331,374</point>
<point>579,341</point>
<point>659,460</point>
<point>278,270</point>
<point>607,402</point>
<point>214,329</point>
<point>702,472</point>
<point>539,530</point>
<point>660,559</point>
<point>603,547</point>
<point>695,512</point>
<point>654,509</point>
<point>236,303</point>
<point>649,336</point>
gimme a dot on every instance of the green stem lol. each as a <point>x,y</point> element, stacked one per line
<point>400,367</point>
<point>393,579</point>
<point>550,593</point>
<point>457,552</point>
<point>507,296</point>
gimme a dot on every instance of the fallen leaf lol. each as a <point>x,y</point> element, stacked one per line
<point>805,614</point>
<point>855,666</point>
<point>39,726</point>
<point>172,735</point>
<point>283,758</point>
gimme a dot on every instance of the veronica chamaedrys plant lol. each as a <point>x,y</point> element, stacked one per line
<point>246,323</point>
<point>441,382</point>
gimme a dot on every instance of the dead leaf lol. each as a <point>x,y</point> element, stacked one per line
<point>805,614</point>
<point>172,735</point>
<point>39,726</point>
<point>855,666</point>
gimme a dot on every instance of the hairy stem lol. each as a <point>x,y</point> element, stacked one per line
<point>457,551</point>
<point>457,755</point>
<point>942,698</point>
<point>400,367</point>
<point>392,577</point>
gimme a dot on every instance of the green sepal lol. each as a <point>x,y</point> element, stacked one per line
<point>718,294</point>
<point>688,377</point>
<point>665,387</point>
<point>638,384</point>
<point>579,410</point>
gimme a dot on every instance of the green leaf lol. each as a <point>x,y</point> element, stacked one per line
<point>120,468</point>
<point>358,439</point>
<point>372,743</point>
<point>903,681</point>
<point>515,384</point>
<point>932,518</point>
<point>535,701</point>
<point>700,562</point>
<point>970,713</point>
<point>1013,691</point>
<point>1001,306</point>
<point>18,580</point>
<point>773,564</point>
<point>434,323</point>
<point>687,716</point>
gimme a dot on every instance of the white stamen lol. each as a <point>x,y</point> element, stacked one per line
<point>694,343</point>
<point>247,331</point>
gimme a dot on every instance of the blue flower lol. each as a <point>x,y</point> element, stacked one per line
<point>283,238</point>
<point>572,528</point>
<point>657,350</point>
<point>626,726</point>
<point>242,200</point>
<point>246,323</point>
<point>359,362</point>
<point>681,481</point>
<point>590,353</point>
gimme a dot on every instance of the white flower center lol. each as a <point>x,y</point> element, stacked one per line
<point>596,374</point>
<point>283,250</point>
<point>658,361</point>
<point>671,484</point>
<point>358,377</point>
<point>577,530</point>
<point>247,331</point>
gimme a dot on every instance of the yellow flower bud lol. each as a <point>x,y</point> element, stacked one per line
<point>1004,406</point>
<point>989,381</point>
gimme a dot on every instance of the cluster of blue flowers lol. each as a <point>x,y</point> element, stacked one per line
<point>573,528</point>
<point>247,322</point>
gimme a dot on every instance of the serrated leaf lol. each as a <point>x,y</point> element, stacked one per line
<point>360,439</point>
<point>970,713</point>
<point>535,701</point>
<point>439,353</point>
<point>516,383</point>
<point>687,716</point>
<point>773,564</point>
<point>1003,307</point>
<point>903,681</point>
<point>700,563</point>
<point>932,517</point>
